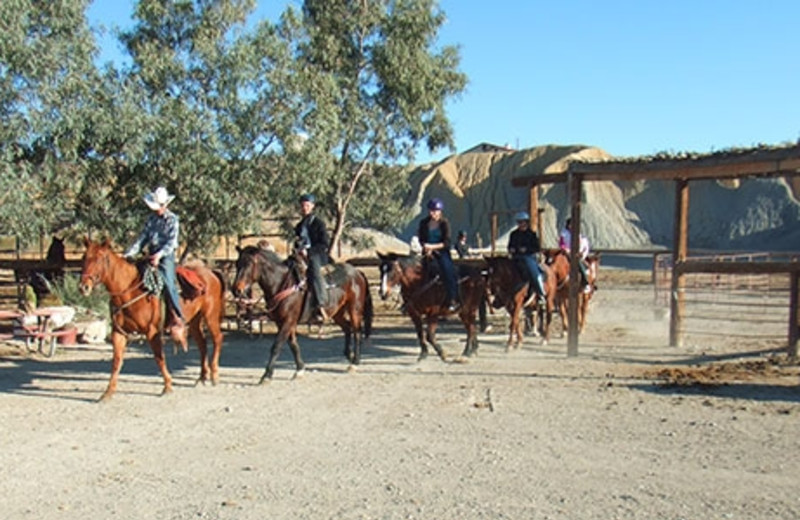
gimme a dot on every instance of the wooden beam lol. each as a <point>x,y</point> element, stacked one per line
<point>767,162</point>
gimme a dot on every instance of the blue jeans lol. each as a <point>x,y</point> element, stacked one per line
<point>166,266</point>
<point>448,274</point>
<point>534,273</point>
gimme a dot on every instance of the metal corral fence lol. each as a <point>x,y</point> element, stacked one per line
<point>741,305</point>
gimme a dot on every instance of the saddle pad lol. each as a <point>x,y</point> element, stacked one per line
<point>191,283</point>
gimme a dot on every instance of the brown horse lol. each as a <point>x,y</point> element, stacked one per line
<point>135,310</point>
<point>350,303</point>
<point>424,299</point>
<point>509,289</point>
<point>558,260</point>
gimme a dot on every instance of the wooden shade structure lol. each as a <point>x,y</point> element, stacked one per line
<point>731,164</point>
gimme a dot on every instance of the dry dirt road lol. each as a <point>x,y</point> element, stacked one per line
<point>628,429</point>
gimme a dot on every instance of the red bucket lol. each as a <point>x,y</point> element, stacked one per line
<point>68,337</point>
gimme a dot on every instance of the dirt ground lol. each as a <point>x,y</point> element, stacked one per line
<point>628,429</point>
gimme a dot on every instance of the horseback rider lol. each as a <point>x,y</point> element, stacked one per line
<point>160,236</point>
<point>523,246</point>
<point>434,235</point>
<point>313,243</point>
<point>564,243</point>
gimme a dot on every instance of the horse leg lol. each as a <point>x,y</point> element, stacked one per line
<point>433,322</point>
<point>157,345</point>
<point>515,326</point>
<point>348,335</point>
<point>562,311</point>
<point>583,307</point>
<point>196,333</point>
<point>546,317</point>
<point>214,326</point>
<point>300,367</point>
<point>471,347</point>
<point>280,338</point>
<point>356,328</point>
<point>118,342</point>
<point>423,345</point>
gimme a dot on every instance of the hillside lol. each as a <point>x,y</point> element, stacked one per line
<point>758,214</point>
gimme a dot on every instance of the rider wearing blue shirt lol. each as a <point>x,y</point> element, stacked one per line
<point>160,238</point>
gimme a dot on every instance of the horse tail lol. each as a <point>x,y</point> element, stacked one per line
<point>222,290</point>
<point>369,311</point>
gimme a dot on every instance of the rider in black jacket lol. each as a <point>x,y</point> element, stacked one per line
<point>313,242</point>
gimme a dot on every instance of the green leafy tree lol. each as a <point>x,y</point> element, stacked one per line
<point>198,82</point>
<point>373,87</point>
<point>46,83</point>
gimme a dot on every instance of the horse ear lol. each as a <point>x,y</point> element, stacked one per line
<point>238,248</point>
<point>106,242</point>
<point>86,241</point>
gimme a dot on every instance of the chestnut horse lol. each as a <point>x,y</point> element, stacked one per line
<point>509,289</point>
<point>135,310</point>
<point>558,260</point>
<point>425,299</point>
<point>349,302</point>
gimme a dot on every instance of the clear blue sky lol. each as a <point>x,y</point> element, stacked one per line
<point>633,77</point>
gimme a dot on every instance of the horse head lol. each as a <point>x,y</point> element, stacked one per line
<point>390,273</point>
<point>246,270</point>
<point>257,265</point>
<point>500,279</point>
<point>96,264</point>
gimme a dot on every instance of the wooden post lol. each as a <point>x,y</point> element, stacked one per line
<point>533,210</point>
<point>681,229</point>
<point>574,187</point>
<point>494,232</point>
<point>794,324</point>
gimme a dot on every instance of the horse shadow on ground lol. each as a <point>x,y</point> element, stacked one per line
<point>46,377</point>
<point>34,375</point>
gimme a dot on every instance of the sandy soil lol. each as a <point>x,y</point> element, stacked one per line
<point>630,428</point>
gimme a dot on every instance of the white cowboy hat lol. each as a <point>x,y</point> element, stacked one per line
<point>158,199</point>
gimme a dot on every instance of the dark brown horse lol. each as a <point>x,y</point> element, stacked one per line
<point>509,289</point>
<point>559,263</point>
<point>135,310</point>
<point>426,299</point>
<point>349,302</point>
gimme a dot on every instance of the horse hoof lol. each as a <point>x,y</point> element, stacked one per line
<point>106,397</point>
<point>352,369</point>
<point>265,380</point>
<point>461,360</point>
<point>166,391</point>
<point>299,374</point>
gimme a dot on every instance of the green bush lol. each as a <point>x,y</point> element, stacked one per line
<point>67,291</point>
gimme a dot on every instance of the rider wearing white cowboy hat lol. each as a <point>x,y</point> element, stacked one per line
<point>160,237</point>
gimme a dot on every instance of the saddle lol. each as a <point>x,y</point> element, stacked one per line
<point>190,283</point>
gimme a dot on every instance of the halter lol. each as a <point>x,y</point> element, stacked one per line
<point>276,299</point>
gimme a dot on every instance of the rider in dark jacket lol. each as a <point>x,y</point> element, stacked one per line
<point>523,246</point>
<point>434,235</point>
<point>313,242</point>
